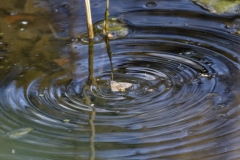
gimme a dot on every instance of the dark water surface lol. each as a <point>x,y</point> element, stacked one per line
<point>182,61</point>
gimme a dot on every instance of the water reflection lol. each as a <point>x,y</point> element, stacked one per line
<point>57,102</point>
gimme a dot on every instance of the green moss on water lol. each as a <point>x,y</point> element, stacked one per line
<point>220,6</point>
<point>115,27</point>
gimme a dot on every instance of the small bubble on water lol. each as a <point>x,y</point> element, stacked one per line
<point>73,39</point>
<point>151,4</point>
<point>13,151</point>
<point>24,22</point>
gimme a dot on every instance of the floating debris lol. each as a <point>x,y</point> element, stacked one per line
<point>19,132</point>
<point>119,86</point>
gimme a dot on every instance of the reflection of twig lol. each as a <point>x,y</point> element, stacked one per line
<point>87,99</point>
<point>89,19</point>
<point>91,82</point>
<point>91,139</point>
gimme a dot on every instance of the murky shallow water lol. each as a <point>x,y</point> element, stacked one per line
<point>183,63</point>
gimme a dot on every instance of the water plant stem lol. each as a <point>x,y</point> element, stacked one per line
<point>89,19</point>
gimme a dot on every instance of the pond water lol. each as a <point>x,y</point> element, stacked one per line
<point>182,63</point>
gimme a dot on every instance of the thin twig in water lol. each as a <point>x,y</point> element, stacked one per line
<point>91,82</point>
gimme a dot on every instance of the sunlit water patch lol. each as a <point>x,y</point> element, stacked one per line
<point>183,101</point>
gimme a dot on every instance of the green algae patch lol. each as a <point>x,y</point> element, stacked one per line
<point>220,6</point>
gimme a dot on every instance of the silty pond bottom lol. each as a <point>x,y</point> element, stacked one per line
<point>181,60</point>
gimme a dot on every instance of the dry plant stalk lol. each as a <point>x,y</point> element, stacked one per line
<point>89,19</point>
